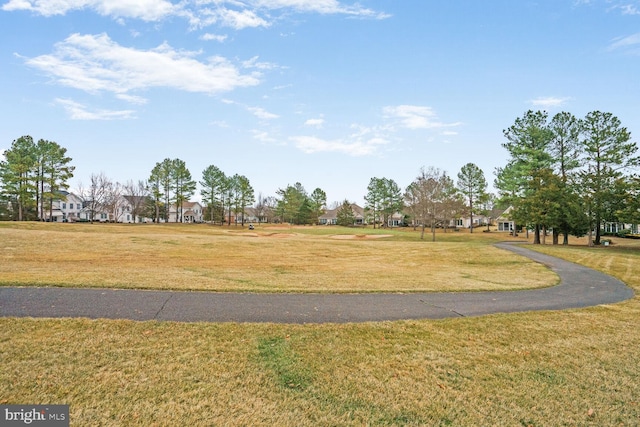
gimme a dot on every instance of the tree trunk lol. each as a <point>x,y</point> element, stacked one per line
<point>422,231</point>
<point>597,240</point>
<point>536,235</point>
<point>565,240</point>
<point>556,235</point>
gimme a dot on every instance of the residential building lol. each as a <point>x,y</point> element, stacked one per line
<point>330,217</point>
<point>189,212</point>
<point>67,208</point>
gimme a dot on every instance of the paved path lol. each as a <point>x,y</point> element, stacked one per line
<point>579,287</point>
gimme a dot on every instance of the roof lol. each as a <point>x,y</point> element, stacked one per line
<point>333,213</point>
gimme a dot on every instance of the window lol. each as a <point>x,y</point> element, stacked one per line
<point>505,226</point>
<point>64,206</point>
<point>70,205</point>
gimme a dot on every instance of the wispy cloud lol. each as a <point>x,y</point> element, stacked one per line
<point>320,6</point>
<point>630,9</point>
<point>263,136</point>
<point>416,117</point>
<point>312,144</point>
<point>262,113</point>
<point>132,99</point>
<point>95,63</point>
<point>77,111</point>
<point>361,141</point>
<point>626,7</point>
<point>317,123</point>
<point>200,13</point>
<point>147,10</point>
<point>630,44</point>
<point>549,102</point>
<point>213,37</point>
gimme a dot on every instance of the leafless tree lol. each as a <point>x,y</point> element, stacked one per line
<point>114,202</point>
<point>94,197</point>
<point>136,193</point>
<point>433,198</point>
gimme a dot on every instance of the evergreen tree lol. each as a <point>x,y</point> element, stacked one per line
<point>18,176</point>
<point>317,203</point>
<point>243,195</point>
<point>608,152</point>
<point>213,185</point>
<point>345,216</point>
<point>473,186</point>
<point>183,185</point>
<point>55,170</point>
<point>375,198</point>
<point>528,141</point>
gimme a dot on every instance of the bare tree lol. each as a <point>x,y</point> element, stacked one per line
<point>114,202</point>
<point>137,194</point>
<point>94,197</point>
<point>265,208</point>
<point>433,198</point>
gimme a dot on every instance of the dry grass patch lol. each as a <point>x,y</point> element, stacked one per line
<point>269,259</point>
<point>569,368</point>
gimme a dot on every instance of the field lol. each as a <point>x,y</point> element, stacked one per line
<point>576,367</point>
<point>268,259</point>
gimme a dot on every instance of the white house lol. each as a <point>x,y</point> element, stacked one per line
<point>504,221</point>
<point>189,212</point>
<point>65,209</point>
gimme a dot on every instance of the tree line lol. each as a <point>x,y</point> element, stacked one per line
<point>570,174</point>
<point>563,174</point>
<point>31,176</point>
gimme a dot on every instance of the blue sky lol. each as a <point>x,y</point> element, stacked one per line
<point>328,93</point>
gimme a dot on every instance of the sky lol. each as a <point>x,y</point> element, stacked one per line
<point>328,93</point>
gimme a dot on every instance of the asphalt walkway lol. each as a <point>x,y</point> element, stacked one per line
<point>579,287</point>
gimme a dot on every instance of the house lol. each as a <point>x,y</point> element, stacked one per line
<point>123,210</point>
<point>254,215</point>
<point>465,222</point>
<point>396,220</point>
<point>330,217</point>
<point>620,228</point>
<point>504,221</point>
<point>189,212</point>
<point>67,208</point>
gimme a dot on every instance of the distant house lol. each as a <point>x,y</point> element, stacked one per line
<point>330,217</point>
<point>189,212</point>
<point>504,221</point>
<point>396,220</point>
<point>252,215</point>
<point>465,222</point>
<point>67,208</point>
<point>123,210</point>
<point>137,203</point>
<point>620,228</point>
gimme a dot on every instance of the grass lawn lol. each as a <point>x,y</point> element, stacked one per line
<point>268,259</point>
<point>575,367</point>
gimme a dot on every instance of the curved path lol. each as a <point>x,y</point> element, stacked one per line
<point>579,287</point>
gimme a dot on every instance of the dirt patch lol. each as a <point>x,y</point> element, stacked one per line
<point>279,235</point>
<point>359,236</point>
